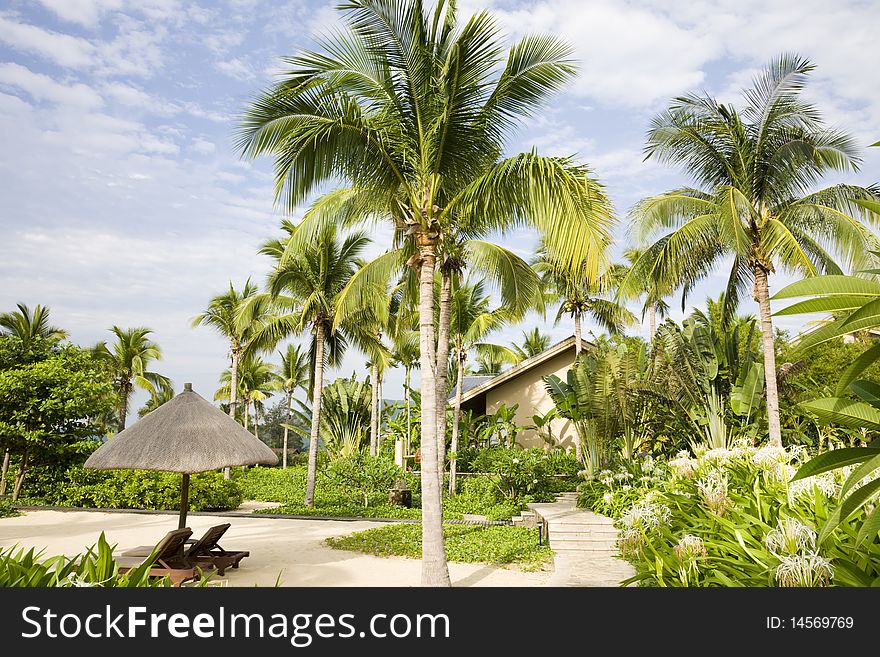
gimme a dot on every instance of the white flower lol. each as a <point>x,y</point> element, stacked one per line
<point>713,490</point>
<point>684,466</point>
<point>791,536</point>
<point>646,516</point>
<point>630,542</point>
<point>621,476</point>
<point>768,457</point>
<point>515,461</point>
<point>626,487</point>
<point>607,481</point>
<point>648,464</point>
<point>608,498</point>
<point>534,481</point>
<point>718,454</point>
<point>605,473</point>
<point>804,570</point>
<point>645,478</point>
<point>689,551</point>
<point>781,472</point>
<point>805,488</point>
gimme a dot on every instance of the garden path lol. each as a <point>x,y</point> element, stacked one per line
<point>584,545</point>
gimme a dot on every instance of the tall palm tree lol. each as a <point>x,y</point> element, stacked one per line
<point>648,288</point>
<point>127,360</point>
<point>471,321</point>
<point>414,111</point>
<point>755,170</point>
<point>26,325</point>
<point>256,381</point>
<point>581,293</point>
<point>405,353</point>
<point>534,343</point>
<point>303,289</point>
<point>294,375</point>
<point>223,314</point>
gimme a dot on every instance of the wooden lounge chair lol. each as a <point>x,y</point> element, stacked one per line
<point>205,552</point>
<point>166,558</point>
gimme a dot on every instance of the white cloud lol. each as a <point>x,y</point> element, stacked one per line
<point>63,49</point>
<point>202,146</point>
<point>83,12</point>
<point>235,68</point>
<point>43,88</point>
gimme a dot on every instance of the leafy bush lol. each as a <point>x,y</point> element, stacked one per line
<point>142,489</point>
<point>363,475</point>
<point>331,499</point>
<point>480,495</point>
<point>734,517</point>
<point>6,509</point>
<point>96,568</point>
<point>520,475</point>
<point>465,543</point>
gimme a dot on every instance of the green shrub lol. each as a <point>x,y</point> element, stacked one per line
<point>480,495</point>
<point>142,489</point>
<point>464,543</point>
<point>363,475</point>
<point>96,568</point>
<point>6,509</point>
<point>733,518</point>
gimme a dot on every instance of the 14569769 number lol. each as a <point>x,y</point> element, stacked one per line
<point>810,623</point>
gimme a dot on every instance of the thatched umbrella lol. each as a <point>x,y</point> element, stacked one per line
<point>187,434</point>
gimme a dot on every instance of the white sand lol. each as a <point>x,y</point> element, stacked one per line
<point>293,548</point>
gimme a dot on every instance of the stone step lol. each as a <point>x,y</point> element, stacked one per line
<point>581,536</point>
<point>603,545</point>
<point>599,529</point>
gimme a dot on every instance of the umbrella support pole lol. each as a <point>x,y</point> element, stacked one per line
<point>184,501</point>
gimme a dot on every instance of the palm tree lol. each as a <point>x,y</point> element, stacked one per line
<point>581,293</point>
<point>256,380</point>
<point>755,169</point>
<point>414,112</point>
<point>295,376</point>
<point>159,397</point>
<point>654,303</point>
<point>534,343</point>
<point>303,289</point>
<point>471,321</point>
<point>26,326</point>
<point>405,353</point>
<point>223,314</point>
<point>127,361</point>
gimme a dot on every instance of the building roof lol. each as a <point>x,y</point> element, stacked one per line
<point>524,366</point>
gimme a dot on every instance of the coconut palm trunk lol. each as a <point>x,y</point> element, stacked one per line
<point>233,391</point>
<point>374,409</point>
<point>22,471</point>
<point>443,325</point>
<point>4,472</point>
<point>456,417</point>
<point>577,333</point>
<point>123,403</point>
<point>316,414</point>
<point>286,429</point>
<point>652,320</point>
<point>435,572</point>
<point>761,293</point>
<point>408,393</point>
<point>233,382</point>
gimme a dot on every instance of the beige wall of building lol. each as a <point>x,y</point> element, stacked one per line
<point>529,392</point>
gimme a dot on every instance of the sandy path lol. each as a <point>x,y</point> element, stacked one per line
<point>293,548</point>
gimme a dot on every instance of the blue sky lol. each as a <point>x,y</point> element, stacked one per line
<point>124,201</point>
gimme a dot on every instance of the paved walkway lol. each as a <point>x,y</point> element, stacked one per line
<point>584,545</point>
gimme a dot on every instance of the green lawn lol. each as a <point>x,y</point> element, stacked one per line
<point>501,545</point>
